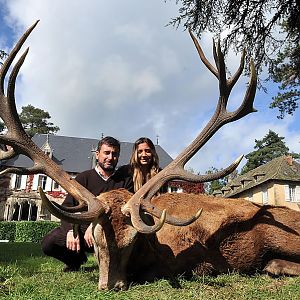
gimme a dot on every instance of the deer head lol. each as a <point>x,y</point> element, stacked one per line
<point>20,143</point>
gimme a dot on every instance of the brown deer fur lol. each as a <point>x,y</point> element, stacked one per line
<point>230,235</point>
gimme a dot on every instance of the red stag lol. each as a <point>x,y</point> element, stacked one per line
<point>231,234</point>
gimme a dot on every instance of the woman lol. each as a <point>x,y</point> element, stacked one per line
<point>144,162</point>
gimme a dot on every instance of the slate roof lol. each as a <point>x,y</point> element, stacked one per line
<point>281,168</point>
<point>74,154</point>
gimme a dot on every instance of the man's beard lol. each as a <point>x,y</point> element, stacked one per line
<point>106,168</point>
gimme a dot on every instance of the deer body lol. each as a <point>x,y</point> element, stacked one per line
<point>231,235</point>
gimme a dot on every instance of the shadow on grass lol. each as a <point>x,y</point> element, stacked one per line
<point>11,252</point>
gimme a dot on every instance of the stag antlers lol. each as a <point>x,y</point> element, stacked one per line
<point>22,144</point>
<point>175,170</point>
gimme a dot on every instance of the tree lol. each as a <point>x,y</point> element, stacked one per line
<point>286,71</point>
<point>218,184</point>
<point>268,29</point>
<point>268,148</point>
<point>35,120</point>
<point>2,56</point>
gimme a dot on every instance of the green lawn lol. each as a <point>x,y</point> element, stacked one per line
<point>26,274</point>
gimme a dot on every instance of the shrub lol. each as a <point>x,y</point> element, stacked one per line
<point>7,230</point>
<point>28,231</point>
<point>25,231</point>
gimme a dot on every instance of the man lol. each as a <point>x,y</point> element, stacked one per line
<point>60,243</point>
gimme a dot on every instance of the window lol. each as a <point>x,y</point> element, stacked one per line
<point>265,197</point>
<point>18,181</point>
<point>24,211</point>
<point>7,213</point>
<point>42,181</point>
<point>55,185</point>
<point>172,189</point>
<point>250,195</point>
<point>292,193</point>
<point>16,210</point>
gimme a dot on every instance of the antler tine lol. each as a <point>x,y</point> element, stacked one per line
<point>141,227</point>
<point>58,211</point>
<point>9,113</point>
<point>21,170</point>
<point>7,154</point>
<point>10,117</point>
<point>236,76</point>
<point>202,55</point>
<point>12,78</point>
<point>182,174</point>
<point>247,104</point>
<point>220,63</point>
<point>12,55</point>
<point>175,170</point>
<point>21,143</point>
<point>154,211</point>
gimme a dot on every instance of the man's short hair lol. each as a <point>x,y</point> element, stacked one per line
<point>110,141</point>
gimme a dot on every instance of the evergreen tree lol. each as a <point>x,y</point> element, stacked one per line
<point>286,72</point>
<point>268,29</point>
<point>218,184</point>
<point>2,56</point>
<point>266,149</point>
<point>35,120</point>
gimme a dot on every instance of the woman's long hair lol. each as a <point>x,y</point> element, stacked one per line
<point>138,177</point>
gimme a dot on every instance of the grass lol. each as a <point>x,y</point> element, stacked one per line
<point>25,273</point>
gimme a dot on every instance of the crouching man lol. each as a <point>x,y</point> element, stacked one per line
<point>60,242</point>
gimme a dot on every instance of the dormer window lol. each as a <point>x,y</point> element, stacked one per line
<point>48,153</point>
<point>258,176</point>
<point>93,157</point>
<point>225,190</point>
<point>234,187</point>
<point>47,148</point>
<point>244,182</point>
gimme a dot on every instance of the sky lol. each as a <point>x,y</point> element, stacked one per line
<point>115,68</point>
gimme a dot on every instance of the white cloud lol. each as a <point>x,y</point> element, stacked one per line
<point>113,67</point>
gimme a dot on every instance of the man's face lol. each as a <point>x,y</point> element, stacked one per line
<point>107,157</point>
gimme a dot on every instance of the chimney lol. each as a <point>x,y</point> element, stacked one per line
<point>289,160</point>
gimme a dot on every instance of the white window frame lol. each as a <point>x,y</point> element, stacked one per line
<point>292,193</point>
<point>298,194</point>
<point>18,181</point>
<point>42,181</point>
<point>55,186</point>
<point>265,196</point>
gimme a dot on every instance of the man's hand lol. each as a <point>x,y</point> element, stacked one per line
<point>73,243</point>
<point>88,236</point>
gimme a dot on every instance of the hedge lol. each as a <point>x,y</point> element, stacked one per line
<point>25,231</point>
<point>7,230</point>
